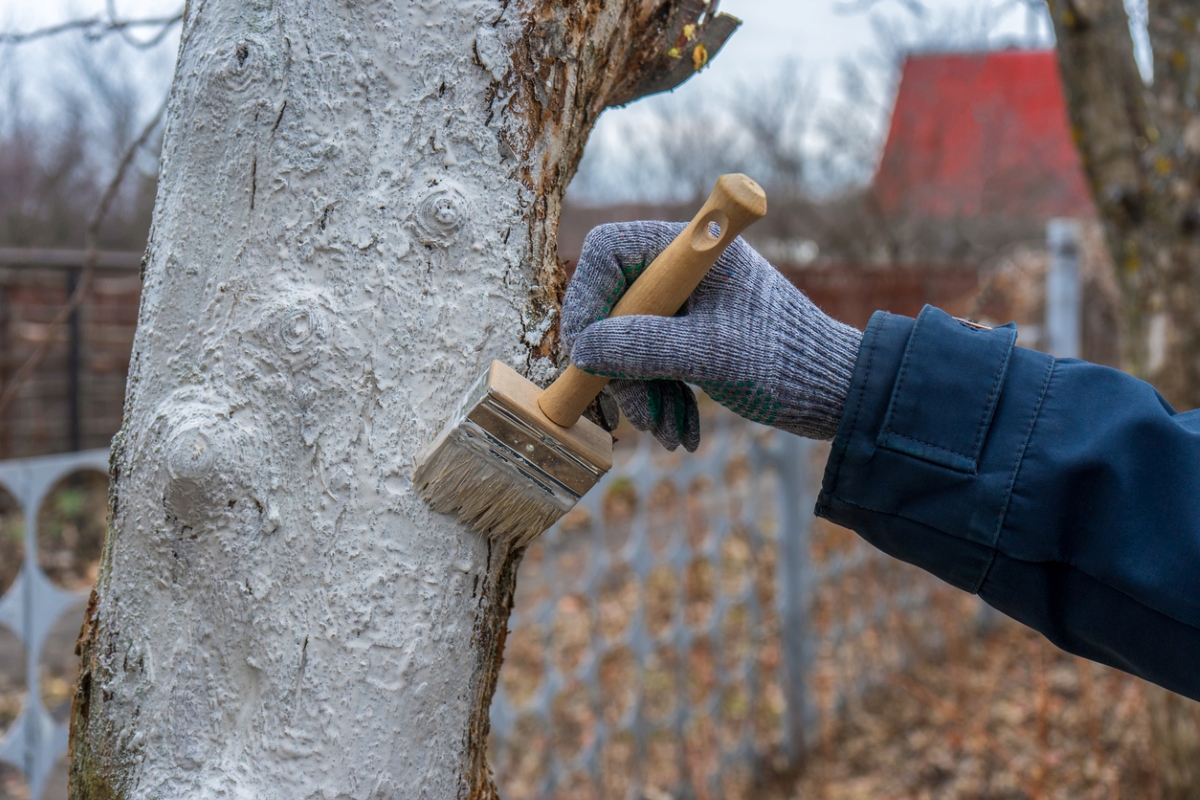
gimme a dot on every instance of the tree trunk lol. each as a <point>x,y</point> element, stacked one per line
<point>356,213</point>
<point>1140,146</point>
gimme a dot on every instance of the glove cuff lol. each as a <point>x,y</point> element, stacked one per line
<point>817,355</point>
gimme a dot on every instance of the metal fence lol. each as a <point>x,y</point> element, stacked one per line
<point>682,633</point>
<point>658,636</point>
<point>31,607</point>
<point>688,628</point>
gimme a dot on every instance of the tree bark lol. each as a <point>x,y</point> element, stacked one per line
<point>357,212</point>
<point>1140,146</point>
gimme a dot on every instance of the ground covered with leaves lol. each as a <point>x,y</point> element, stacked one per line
<point>999,716</point>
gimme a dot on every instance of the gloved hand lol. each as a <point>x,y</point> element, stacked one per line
<point>746,336</point>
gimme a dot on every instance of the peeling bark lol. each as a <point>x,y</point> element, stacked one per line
<point>357,211</point>
<point>1140,147</point>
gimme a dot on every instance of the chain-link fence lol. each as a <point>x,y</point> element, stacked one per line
<point>685,630</point>
<point>682,633</point>
<point>43,602</point>
<point>657,634</point>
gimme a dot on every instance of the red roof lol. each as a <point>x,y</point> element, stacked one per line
<point>981,134</point>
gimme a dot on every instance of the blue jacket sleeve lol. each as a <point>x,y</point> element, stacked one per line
<point>1065,494</point>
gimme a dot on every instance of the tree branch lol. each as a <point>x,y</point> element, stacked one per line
<point>914,7</point>
<point>98,27</point>
<point>91,245</point>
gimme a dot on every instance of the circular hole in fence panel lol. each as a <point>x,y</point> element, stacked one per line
<point>71,525</point>
<point>737,634</point>
<point>766,495</point>
<point>577,786</point>
<point>618,684</point>
<point>842,657</point>
<point>737,562</point>
<point>58,666</point>
<point>617,598</point>
<point>770,706</point>
<point>711,413</point>
<point>766,573</point>
<point>828,540</point>
<point>660,600</point>
<point>667,461</point>
<point>702,753</point>
<point>768,650</point>
<point>702,508</point>
<point>522,671</point>
<point>532,586</point>
<point>701,671</point>
<point>662,509</point>
<point>734,714</point>
<point>659,686</point>
<point>13,785</point>
<point>12,678</point>
<point>618,765</point>
<point>625,448</point>
<point>521,765</point>
<point>737,476</point>
<point>620,507</point>
<point>663,756</point>
<point>577,520</point>
<point>571,632</point>
<point>699,592</point>
<point>572,722</point>
<point>737,782</point>
<point>12,540</point>
<point>573,559</point>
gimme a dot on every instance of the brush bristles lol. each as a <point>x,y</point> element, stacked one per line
<point>491,497</point>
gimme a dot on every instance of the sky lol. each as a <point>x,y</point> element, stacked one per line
<point>819,34</point>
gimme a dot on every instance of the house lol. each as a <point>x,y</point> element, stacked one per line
<point>981,136</point>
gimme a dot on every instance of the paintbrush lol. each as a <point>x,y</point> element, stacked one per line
<point>515,458</point>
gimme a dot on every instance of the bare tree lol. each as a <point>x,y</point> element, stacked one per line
<point>356,212</point>
<point>1140,144</point>
<point>56,161</point>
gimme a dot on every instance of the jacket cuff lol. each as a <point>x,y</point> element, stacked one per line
<point>928,448</point>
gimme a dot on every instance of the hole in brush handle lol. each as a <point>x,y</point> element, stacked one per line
<point>711,230</point>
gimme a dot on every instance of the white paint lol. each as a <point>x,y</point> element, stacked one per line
<point>340,245</point>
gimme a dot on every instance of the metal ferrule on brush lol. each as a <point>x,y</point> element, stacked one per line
<point>540,459</point>
<point>502,467</point>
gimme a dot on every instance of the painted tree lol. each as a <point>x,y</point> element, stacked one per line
<point>1140,145</point>
<point>356,212</point>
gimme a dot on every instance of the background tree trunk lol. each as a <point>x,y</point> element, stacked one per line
<point>1140,146</point>
<point>357,211</point>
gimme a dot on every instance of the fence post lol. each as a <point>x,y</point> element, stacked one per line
<point>797,581</point>
<point>31,606</point>
<point>1063,238</point>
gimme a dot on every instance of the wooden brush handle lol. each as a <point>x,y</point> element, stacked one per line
<point>735,203</point>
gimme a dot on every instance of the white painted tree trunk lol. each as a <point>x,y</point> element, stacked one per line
<point>356,212</point>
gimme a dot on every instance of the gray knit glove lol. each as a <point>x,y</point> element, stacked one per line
<point>746,336</point>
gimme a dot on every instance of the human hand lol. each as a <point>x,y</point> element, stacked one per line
<point>746,336</point>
